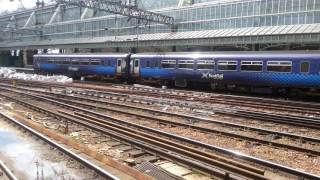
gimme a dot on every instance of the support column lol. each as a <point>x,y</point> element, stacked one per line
<point>25,58</point>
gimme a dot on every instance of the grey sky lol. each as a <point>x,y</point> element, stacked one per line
<point>11,6</point>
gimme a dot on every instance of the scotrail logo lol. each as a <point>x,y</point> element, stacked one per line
<point>208,75</point>
<point>73,68</point>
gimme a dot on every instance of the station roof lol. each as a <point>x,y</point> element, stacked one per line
<point>304,29</point>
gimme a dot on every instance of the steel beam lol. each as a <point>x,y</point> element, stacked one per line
<point>117,7</point>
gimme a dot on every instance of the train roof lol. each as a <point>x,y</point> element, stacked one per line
<point>279,54</point>
<point>91,55</point>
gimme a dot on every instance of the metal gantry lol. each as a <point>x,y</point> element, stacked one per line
<point>118,7</point>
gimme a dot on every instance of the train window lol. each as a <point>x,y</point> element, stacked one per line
<point>65,62</point>
<point>279,66</point>
<point>168,64</point>
<point>84,62</point>
<point>95,62</point>
<point>304,67</point>
<point>205,64</point>
<point>136,63</point>
<point>108,63</point>
<point>75,62</point>
<point>148,64</point>
<point>185,64</point>
<point>254,66</point>
<point>227,65</point>
<point>156,64</point>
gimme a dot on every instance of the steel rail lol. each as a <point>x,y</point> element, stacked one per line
<point>239,100</point>
<point>7,171</point>
<point>237,155</point>
<point>73,155</point>
<point>249,171</point>
<point>234,135</point>
<point>268,117</point>
<point>253,139</point>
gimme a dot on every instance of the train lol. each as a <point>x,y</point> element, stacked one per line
<point>291,71</point>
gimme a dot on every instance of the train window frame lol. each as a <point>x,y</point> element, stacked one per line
<point>109,64</point>
<point>136,63</point>
<point>75,62</point>
<point>279,64</point>
<point>304,72</point>
<point>187,64</point>
<point>84,62</point>
<point>226,63</point>
<point>148,64</point>
<point>65,62</point>
<point>168,62</point>
<point>51,61</point>
<point>206,62</point>
<point>251,63</point>
<point>95,63</point>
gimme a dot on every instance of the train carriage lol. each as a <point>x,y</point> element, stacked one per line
<point>274,70</point>
<point>250,69</point>
<point>76,65</point>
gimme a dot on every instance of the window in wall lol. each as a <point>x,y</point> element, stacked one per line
<point>275,6</point>
<point>282,6</point>
<point>289,6</point>
<point>288,19</point>
<point>281,20</point>
<point>304,67</point>
<point>227,65</point>
<point>244,9</point>
<point>279,66</point>
<point>257,7</point>
<point>263,7</point>
<point>295,19</point>
<point>167,64</point>
<point>302,18</point>
<point>309,18</point>
<point>239,9</point>
<point>295,5</point>
<point>317,5</point>
<point>185,64</point>
<point>310,5</point>
<point>254,66</point>
<point>205,64</point>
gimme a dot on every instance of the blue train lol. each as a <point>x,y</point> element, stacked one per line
<point>279,71</point>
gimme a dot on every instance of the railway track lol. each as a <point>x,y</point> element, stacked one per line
<point>123,110</point>
<point>312,109</point>
<point>93,115</point>
<point>101,172</point>
<point>5,172</point>
<point>206,162</point>
<point>298,121</point>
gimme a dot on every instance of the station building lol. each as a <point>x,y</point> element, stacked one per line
<point>200,25</point>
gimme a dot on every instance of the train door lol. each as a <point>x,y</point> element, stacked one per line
<point>136,67</point>
<point>119,66</point>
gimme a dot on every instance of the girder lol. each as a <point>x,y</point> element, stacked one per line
<point>117,7</point>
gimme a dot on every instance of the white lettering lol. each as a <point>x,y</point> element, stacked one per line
<point>208,75</point>
<point>73,68</point>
